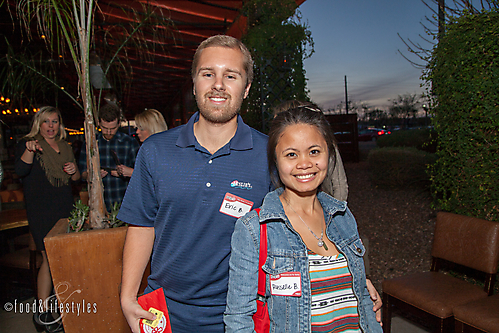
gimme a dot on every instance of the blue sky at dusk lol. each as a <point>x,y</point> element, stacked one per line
<point>358,38</point>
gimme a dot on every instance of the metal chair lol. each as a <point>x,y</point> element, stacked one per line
<point>463,240</point>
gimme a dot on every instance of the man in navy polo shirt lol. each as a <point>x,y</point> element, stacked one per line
<point>189,186</point>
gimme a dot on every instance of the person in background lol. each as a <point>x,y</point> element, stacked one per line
<point>313,242</point>
<point>46,164</point>
<point>115,174</point>
<point>149,122</point>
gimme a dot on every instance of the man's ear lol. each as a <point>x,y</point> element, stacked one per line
<point>193,88</point>
<point>247,90</point>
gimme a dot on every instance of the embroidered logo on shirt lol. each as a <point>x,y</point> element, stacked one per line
<point>241,185</point>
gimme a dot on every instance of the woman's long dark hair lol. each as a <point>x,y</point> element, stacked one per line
<point>308,114</point>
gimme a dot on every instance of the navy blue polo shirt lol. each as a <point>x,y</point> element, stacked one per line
<point>178,188</point>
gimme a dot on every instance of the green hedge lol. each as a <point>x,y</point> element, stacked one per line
<point>421,139</point>
<point>464,75</point>
<point>399,167</point>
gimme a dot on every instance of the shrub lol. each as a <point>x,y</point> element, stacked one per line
<point>464,75</point>
<point>399,167</point>
<point>421,139</point>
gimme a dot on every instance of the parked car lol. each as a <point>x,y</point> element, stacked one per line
<point>372,134</point>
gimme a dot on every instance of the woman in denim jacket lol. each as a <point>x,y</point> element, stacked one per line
<point>315,277</point>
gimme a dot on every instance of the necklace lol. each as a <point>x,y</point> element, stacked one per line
<point>320,240</point>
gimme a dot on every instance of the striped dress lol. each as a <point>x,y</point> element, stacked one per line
<point>334,305</point>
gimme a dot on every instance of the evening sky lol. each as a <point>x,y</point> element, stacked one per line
<point>358,38</point>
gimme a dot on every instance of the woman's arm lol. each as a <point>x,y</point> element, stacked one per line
<point>24,158</point>
<point>243,275</point>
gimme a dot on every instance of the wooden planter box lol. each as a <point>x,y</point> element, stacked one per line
<point>86,271</point>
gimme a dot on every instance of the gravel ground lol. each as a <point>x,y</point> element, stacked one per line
<point>399,224</point>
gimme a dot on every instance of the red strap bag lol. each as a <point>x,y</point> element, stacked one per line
<point>261,317</point>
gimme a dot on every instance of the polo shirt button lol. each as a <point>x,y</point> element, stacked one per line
<point>210,161</point>
<point>208,184</point>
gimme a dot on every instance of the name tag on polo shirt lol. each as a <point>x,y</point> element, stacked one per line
<point>286,284</point>
<point>235,206</point>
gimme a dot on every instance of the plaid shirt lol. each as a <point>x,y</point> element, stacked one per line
<point>126,148</point>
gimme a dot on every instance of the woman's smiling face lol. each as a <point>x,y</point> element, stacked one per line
<point>302,158</point>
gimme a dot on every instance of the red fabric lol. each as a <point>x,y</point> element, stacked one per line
<point>261,317</point>
<point>155,299</point>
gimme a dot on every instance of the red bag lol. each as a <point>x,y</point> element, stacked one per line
<point>261,317</point>
<point>156,301</point>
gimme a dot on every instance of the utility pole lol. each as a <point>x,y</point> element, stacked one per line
<point>441,18</point>
<point>346,95</point>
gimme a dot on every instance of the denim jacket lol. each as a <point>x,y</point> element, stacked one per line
<point>288,253</point>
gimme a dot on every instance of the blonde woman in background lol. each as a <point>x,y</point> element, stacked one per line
<point>46,164</point>
<point>149,122</point>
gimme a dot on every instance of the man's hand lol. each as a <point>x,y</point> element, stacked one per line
<point>103,173</point>
<point>123,170</point>
<point>134,313</point>
<point>376,300</point>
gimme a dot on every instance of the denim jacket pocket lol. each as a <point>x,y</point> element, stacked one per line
<point>357,247</point>
<point>277,264</point>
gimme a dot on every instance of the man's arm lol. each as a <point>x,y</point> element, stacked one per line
<point>136,253</point>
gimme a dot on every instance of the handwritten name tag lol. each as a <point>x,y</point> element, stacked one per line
<point>286,284</point>
<point>235,206</point>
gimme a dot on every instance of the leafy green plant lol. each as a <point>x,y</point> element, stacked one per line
<point>112,219</point>
<point>463,81</point>
<point>78,216</point>
<point>279,42</point>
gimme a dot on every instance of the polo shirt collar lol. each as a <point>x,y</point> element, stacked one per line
<point>242,140</point>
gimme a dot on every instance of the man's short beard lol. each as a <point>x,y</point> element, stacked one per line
<point>217,115</point>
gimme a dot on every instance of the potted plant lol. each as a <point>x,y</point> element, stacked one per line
<point>85,266</point>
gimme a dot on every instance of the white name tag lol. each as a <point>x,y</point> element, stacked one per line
<point>286,284</point>
<point>235,206</point>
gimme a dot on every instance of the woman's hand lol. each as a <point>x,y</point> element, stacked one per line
<point>376,300</point>
<point>33,146</point>
<point>29,153</point>
<point>70,168</point>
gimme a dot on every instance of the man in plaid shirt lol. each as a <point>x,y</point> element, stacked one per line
<point>115,173</point>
